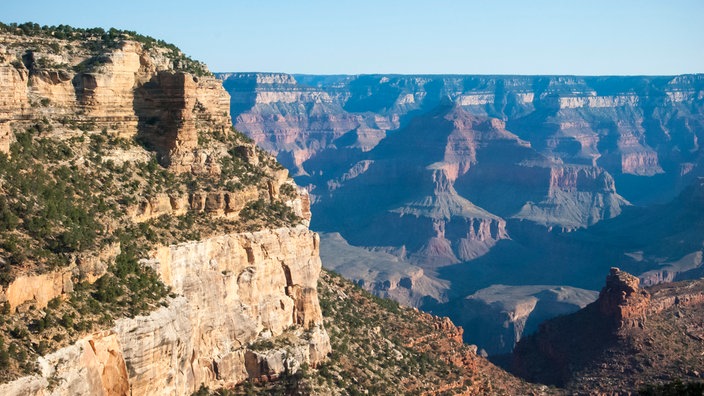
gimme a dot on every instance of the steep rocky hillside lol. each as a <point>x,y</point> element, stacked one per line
<point>145,246</point>
<point>381,348</point>
<point>627,340</point>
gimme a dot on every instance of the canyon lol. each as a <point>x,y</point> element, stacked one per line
<point>446,185</point>
<point>148,247</point>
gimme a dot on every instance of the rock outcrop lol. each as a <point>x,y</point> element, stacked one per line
<point>622,300</point>
<point>38,289</point>
<point>626,339</point>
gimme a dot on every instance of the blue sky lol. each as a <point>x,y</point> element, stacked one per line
<point>595,37</point>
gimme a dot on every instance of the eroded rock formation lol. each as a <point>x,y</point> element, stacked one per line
<point>622,300</point>
<point>131,91</point>
<point>241,305</point>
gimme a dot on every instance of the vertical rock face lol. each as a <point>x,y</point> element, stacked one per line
<point>234,290</point>
<point>172,107</point>
<point>106,92</point>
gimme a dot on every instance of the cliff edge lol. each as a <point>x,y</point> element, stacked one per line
<point>155,250</point>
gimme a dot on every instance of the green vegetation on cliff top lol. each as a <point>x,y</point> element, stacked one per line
<point>98,40</point>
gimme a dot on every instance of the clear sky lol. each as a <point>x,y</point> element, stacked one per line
<point>588,37</point>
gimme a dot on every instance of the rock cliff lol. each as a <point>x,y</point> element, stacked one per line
<point>236,290</point>
<point>162,251</point>
<point>233,291</point>
<point>131,90</point>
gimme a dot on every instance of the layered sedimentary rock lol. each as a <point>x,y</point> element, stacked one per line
<point>172,107</point>
<point>236,289</point>
<point>304,121</point>
<point>641,126</point>
<point>215,203</point>
<point>578,196</point>
<point>233,291</point>
<point>130,90</point>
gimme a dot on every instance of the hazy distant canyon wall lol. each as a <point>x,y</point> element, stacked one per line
<point>442,186</point>
<point>626,125</point>
<point>449,159</point>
